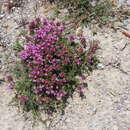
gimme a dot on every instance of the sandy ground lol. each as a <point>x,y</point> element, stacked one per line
<point>107,102</point>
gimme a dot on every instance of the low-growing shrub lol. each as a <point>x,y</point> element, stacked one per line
<point>49,66</point>
<point>87,11</point>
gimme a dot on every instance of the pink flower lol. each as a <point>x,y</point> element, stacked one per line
<point>62,74</point>
<point>83,41</point>
<point>45,99</point>
<point>59,95</point>
<point>80,88</point>
<point>77,61</point>
<point>10,85</point>
<point>71,37</point>
<point>22,98</point>
<point>8,78</point>
<point>83,77</point>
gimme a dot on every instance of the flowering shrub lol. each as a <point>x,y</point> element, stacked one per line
<point>50,62</point>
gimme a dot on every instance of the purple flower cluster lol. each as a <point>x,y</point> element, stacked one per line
<point>45,55</point>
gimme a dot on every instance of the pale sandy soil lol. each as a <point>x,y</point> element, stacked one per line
<point>107,102</point>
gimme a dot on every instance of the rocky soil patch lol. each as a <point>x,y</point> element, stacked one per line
<point>106,105</point>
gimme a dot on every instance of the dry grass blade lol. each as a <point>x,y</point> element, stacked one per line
<point>92,49</point>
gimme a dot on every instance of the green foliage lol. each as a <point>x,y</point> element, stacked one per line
<point>85,12</point>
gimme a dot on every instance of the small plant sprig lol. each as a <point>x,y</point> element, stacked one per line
<point>49,66</point>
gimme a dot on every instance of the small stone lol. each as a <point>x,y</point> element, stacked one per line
<point>128,88</point>
<point>115,128</point>
<point>128,38</point>
<point>100,66</point>
<point>1,16</point>
<point>128,109</point>
<point>65,11</point>
<point>126,22</point>
<point>121,2</point>
<point>79,31</point>
<point>9,128</point>
<point>117,25</point>
<point>93,3</point>
<point>128,2</point>
<point>8,17</point>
